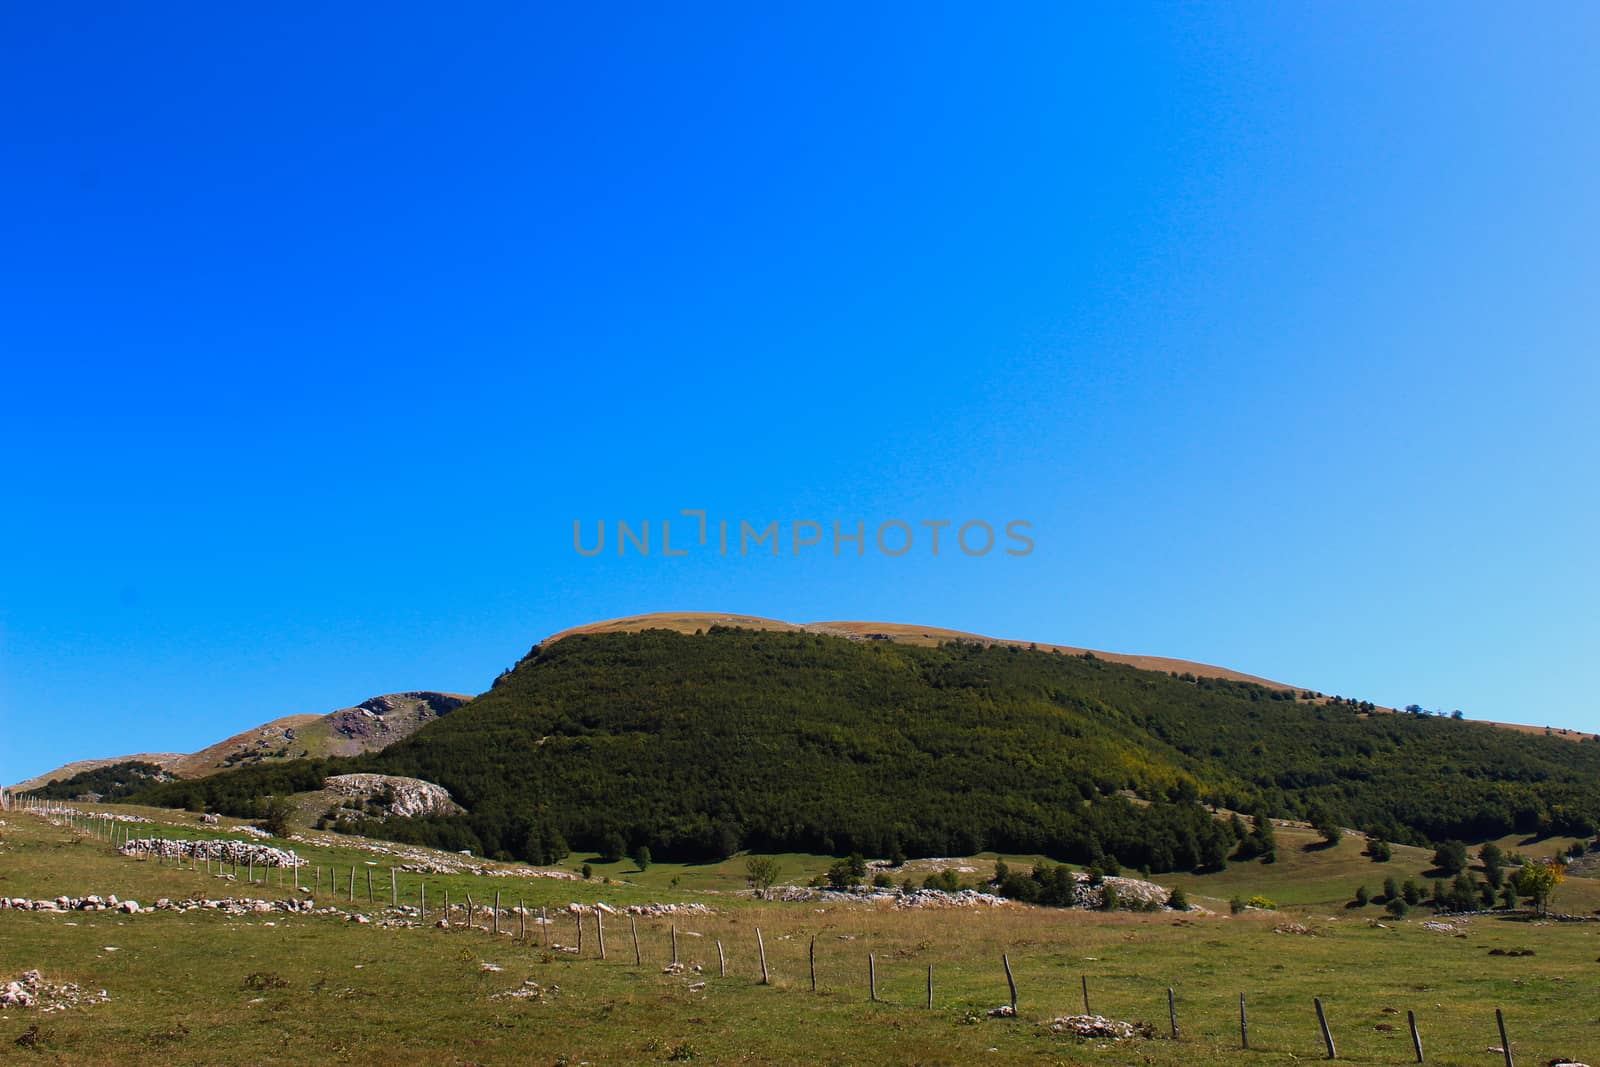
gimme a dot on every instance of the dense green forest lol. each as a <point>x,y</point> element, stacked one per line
<point>111,783</point>
<point>697,745</point>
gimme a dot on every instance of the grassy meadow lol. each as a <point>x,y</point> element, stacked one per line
<point>204,988</point>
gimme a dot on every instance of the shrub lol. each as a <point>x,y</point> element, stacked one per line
<point>1397,907</point>
<point>1236,905</point>
<point>1258,901</point>
<point>1109,898</point>
<point>761,872</point>
<point>275,815</point>
<point>1361,898</point>
<point>1178,900</point>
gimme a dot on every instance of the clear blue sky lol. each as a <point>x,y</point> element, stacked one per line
<point>319,328</point>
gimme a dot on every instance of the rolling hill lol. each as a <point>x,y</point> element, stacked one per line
<point>781,737</point>
<point>365,727</point>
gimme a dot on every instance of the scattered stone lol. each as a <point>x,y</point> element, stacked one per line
<point>31,991</point>
<point>1004,1011</point>
<point>529,990</point>
<point>1098,1026</point>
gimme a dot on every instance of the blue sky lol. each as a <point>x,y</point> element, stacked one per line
<point>319,329</point>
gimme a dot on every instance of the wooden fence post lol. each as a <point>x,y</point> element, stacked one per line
<point>580,931</point>
<point>447,919</point>
<point>1505,1042</point>
<point>1416,1038</point>
<point>722,962</point>
<point>633,927</point>
<point>544,927</point>
<point>369,885</point>
<point>761,946</point>
<point>600,930</point>
<point>1011,982</point>
<point>1322,1021</point>
<point>674,929</point>
<point>1172,1012</point>
<point>1086,1009</point>
<point>352,883</point>
<point>394,889</point>
<point>1244,1025</point>
<point>872,976</point>
<point>497,911</point>
<point>812,956</point>
<point>522,921</point>
<point>930,987</point>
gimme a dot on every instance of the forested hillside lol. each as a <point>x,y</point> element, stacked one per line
<point>696,745</point>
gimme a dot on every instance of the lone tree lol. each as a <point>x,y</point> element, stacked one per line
<point>1539,881</point>
<point>762,873</point>
<point>275,815</point>
<point>1451,857</point>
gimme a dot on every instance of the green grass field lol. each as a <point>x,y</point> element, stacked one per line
<point>202,988</point>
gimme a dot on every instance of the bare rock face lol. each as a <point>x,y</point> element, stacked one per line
<point>383,720</point>
<point>393,795</point>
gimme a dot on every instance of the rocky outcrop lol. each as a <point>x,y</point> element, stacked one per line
<point>391,795</point>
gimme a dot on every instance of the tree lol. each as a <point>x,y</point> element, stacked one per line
<point>1397,907</point>
<point>613,847</point>
<point>842,875</point>
<point>275,815</point>
<point>1451,857</point>
<point>544,844</point>
<point>641,857</point>
<point>1411,893</point>
<point>1326,825</point>
<point>1539,881</point>
<point>762,874</point>
<point>1493,859</point>
<point>1362,896</point>
<point>1391,889</point>
<point>1380,851</point>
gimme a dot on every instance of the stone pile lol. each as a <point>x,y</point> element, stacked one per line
<point>252,831</point>
<point>62,904</point>
<point>1131,892</point>
<point>241,852</point>
<point>1098,1026</point>
<point>668,909</point>
<point>224,905</point>
<point>938,898</point>
<point>32,991</point>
